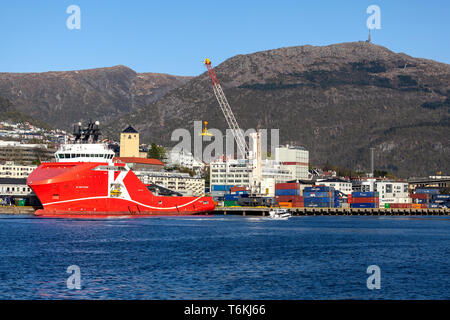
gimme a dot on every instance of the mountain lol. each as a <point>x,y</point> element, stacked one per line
<point>338,101</point>
<point>63,98</point>
<point>9,113</point>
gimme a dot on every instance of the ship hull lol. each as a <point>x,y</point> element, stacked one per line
<point>102,190</point>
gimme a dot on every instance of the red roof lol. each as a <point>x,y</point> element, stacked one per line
<point>139,160</point>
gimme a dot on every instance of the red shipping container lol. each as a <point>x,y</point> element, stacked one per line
<point>400,205</point>
<point>284,186</point>
<point>364,200</point>
<point>234,189</point>
<point>419,196</point>
<point>289,198</point>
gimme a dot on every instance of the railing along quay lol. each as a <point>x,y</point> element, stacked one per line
<point>262,211</point>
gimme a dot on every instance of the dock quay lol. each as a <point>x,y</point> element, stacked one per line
<point>17,210</point>
<point>264,211</point>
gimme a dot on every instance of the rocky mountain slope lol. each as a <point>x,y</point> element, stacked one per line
<point>63,98</point>
<point>337,101</point>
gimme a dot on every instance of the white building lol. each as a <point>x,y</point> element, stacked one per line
<point>295,159</point>
<point>230,172</point>
<point>14,187</point>
<point>11,170</point>
<point>392,192</point>
<point>175,181</point>
<point>234,172</point>
<point>183,158</point>
<point>341,185</point>
<point>290,163</point>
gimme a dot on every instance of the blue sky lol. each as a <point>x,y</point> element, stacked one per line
<point>175,36</point>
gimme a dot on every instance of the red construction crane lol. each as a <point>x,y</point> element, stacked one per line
<point>226,109</point>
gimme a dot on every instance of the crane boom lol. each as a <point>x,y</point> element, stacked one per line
<point>226,109</point>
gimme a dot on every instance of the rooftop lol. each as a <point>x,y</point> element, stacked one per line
<point>130,129</point>
<point>139,160</point>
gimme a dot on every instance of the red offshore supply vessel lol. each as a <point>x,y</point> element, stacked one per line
<point>85,182</point>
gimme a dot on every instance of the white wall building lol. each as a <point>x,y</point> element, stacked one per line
<point>338,184</point>
<point>183,158</point>
<point>295,159</point>
<point>238,173</point>
<point>14,187</point>
<point>11,170</point>
<point>175,181</point>
<point>392,192</point>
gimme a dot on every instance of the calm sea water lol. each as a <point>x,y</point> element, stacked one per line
<point>225,258</point>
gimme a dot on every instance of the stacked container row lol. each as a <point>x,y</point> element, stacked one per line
<point>288,194</point>
<point>319,197</point>
<point>364,200</point>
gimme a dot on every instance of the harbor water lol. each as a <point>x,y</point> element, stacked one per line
<point>225,257</point>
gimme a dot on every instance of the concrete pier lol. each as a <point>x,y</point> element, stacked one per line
<point>16,210</point>
<point>263,211</point>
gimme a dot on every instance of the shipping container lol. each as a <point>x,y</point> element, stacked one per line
<point>318,189</point>
<point>282,186</point>
<point>235,188</point>
<point>287,192</point>
<point>401,205</point>
<point>285,204</point>
<point>429,191</point>
<point>231,197</point>
<point>228,203</point>
<point>364,205</point>
<point>364,194</point>
<point>365,200</point>
<point>318,205</point>
<point>441,196</point>
<point>311,194</point>
<point>419,196</point>
<point>289,198</point>
<point>316,200</point>
<point>220,187</point>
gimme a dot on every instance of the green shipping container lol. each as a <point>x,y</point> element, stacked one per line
<point>229,203</point>
<point>386,205</point>
<point>20,202</point>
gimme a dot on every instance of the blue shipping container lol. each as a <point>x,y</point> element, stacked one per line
<point>231,197</point>
<point>441,196</point>
<point>366,194</point>
<point>317,200</point>
<point>429,191</point>
<point>287,192</point>
<point>319,189</point>
<point>319,205</point>
<point>220,187</point>
<point>364,205</point>
<point>311,194</point>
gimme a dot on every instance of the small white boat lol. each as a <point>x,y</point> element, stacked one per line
<point>279,214</point>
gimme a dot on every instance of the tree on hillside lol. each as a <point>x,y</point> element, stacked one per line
<point>156,152</point>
